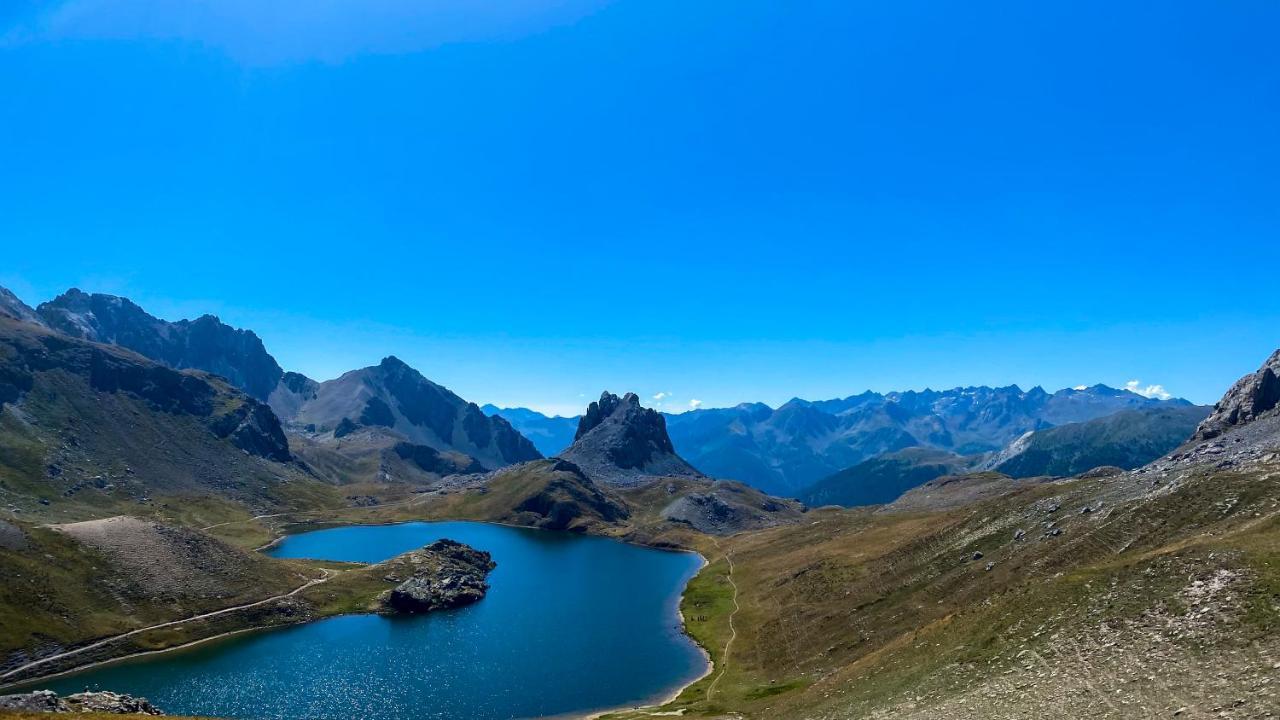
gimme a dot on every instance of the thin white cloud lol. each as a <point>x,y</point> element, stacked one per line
<point>1149,391</point>
<point>1082,387</point>
<point>694,404</point>
<point>291,31</point>
<point>661,396</point>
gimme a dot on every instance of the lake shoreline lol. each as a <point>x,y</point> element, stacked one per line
<point>303,528</point>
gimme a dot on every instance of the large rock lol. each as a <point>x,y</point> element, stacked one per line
<point>1253,397</point>
<point>621,443</point>
<point>445,574</point>
<point>85,702</point>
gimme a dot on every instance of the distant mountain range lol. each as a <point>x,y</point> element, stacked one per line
<point>1124,440</point>
<point>393,422</point>
<point>551,435</point>
<point>786,450</point>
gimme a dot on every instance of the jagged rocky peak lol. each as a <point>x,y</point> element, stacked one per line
<point>628,409</point>
<point>205,343</point>
<point>1253,397</point>
<point>619,441</point>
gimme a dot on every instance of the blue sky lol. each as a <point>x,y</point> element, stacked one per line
<point>720,201</point>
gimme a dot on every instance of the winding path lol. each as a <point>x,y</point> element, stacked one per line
<point>733,632</point>
<point>107,641</point>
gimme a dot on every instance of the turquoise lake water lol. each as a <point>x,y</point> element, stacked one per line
<point>570,624</point>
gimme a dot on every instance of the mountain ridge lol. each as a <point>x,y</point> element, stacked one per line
<point>785,449</point>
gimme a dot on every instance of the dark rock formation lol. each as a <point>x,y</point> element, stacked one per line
<point>345,428</point>
<point>446,574</point>
<point>1253,397</point>
<point>252,427</point>
<point>620,442</point>
<point>430,460</point>
<point>85,702</point>
<point>205,343</point>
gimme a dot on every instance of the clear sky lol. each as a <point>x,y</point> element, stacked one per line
<point>716,200</point>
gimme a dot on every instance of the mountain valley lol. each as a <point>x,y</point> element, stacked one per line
<point>1085,553</point>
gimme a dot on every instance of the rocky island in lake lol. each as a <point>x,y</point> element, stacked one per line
<point>444,574</point>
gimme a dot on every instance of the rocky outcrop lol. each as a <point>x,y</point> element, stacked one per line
<point>252,427</point>
<point>205,343</point>
<point>430,460</point>
<point>724,507</point>
<point>85,702</point>
<point>567,499</point>
<point>1253,397</point>
<point>444,574</point>
<point>621,443</point>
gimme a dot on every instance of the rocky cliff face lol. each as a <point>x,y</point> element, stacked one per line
<point>205,343</point>
<point>14,308</point>
<point>619,442</point>
<point>396,397</point>
<point>107,422</point>
<point>1253,397</point>
<point>445,574</point>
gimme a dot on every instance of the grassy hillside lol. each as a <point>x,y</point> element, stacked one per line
<point>1158,598</point>
<point>64,587</point>
<point>1127,440</point>
<point>883,478</point>
<point>89,431</point>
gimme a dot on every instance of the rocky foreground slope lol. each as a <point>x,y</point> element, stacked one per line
<point>106,703</point>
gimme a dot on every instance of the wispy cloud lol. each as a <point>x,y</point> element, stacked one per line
<point>1150,391</point>
<point>289,31</point>
<point>659,397</point>
<point>694,404</point>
